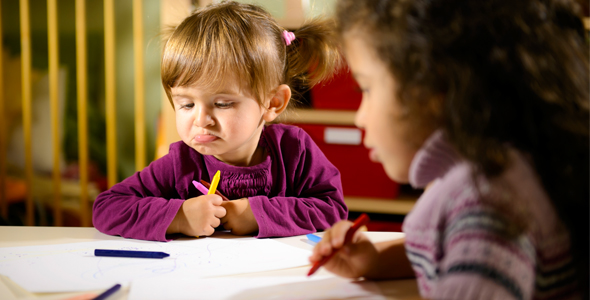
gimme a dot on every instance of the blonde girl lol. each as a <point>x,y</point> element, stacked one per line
<point>228,70</point>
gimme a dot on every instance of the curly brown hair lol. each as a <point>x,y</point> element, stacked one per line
<point>513,74</point>
<point>244,42</point>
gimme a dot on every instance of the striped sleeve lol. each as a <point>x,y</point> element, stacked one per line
<point>556,272</point>
<point>481,260</point>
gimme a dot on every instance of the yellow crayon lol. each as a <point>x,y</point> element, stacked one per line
<point>214,183</point>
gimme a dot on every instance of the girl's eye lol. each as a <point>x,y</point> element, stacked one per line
<point>224,104</point>
<point>187,106</point>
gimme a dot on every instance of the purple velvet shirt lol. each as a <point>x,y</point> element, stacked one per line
<point>295,191</point>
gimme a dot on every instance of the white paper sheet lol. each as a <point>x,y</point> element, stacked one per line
<point>73,267</point>
<point>241,288</point>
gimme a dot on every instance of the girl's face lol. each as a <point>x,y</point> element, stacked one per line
<point>225,124</point>
<point>380,113</point>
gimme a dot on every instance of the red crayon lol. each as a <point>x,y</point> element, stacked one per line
<point>207,185</point>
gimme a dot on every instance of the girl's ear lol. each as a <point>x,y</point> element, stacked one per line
<point>278,103</point>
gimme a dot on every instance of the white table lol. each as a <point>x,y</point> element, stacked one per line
<point>13,236</point>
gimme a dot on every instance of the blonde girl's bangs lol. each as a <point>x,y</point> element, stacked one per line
<point>205,53</point>
<point>232,42</point>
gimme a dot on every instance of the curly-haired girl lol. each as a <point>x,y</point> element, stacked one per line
<point>485,103</point>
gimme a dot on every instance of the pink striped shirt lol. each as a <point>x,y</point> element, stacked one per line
<point>460,246</point>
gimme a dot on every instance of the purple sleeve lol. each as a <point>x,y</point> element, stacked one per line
<point>311,197</point>
<point>141,206</point>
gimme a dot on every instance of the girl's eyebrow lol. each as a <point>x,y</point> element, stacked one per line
<point>224,91</point>
<point>220,92</point>
<point>178,95</point>
<point>227,92</point>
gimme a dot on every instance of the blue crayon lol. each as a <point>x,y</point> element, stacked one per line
<point>130,253</point>
<point>314,238</point>
<point>108,292</point>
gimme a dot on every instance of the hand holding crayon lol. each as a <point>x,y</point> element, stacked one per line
<point>209,190</point>
<point>361,221</point>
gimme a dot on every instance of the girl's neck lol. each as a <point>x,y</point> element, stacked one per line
<point>251,153</point>
<point>257,157</point>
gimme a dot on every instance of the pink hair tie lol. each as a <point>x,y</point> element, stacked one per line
<point>288,37</point>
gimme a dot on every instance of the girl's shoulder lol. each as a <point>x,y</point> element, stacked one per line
<point>516,196</point>
<point>280,131</point>
<point>290,141</point>
<point>448,194</point>
<point>284,135</point>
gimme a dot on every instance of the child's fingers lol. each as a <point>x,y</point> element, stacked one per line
<point>88,296</point>
<point>358,234</point>
<point>224,219</point>
<point>320,251</point>
<point>324,246</point>
<point>208,231</point>
<point>215,199</point>
<point>339,233</point>
<point>215,222</point>
<point>219,212</point>
<point>315,252</point>
<point>314,257</point>
<point>332,239</point>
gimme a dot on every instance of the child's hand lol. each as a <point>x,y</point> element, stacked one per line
<point>239,217</point>
<point>198,216</point>
<point>354,260</point>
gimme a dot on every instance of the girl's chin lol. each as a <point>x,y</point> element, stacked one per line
<point>399,176</point>
<point>205,150</point>
<point>374,156</point>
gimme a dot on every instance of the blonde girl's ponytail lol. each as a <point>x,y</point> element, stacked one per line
<point>314,55</point>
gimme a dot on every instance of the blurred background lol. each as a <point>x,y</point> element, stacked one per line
<point>82,107</point>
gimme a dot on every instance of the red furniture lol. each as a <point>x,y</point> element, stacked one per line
<point>343,146</point>
<point>341,92</point>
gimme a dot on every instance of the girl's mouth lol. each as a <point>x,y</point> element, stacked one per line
<point>204,138</point>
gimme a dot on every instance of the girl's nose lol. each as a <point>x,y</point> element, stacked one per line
<point>203,117</point>
<point>359,118</point>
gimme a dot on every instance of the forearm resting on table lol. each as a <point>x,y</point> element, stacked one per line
<point>177,223</point>
<point>392,262</point>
